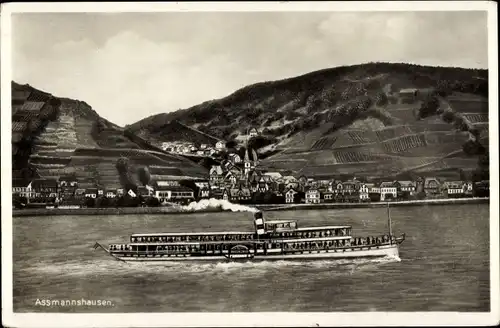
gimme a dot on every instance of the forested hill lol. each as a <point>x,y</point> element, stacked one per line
<point>375,119</point>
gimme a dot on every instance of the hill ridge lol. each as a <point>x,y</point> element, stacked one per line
<point>405,111</point>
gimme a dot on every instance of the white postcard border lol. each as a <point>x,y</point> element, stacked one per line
<point>245,319</point>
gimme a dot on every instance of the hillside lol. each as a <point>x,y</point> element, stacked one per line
<point>373,120</point>
<point>53,137</point>
<point>174,131</point>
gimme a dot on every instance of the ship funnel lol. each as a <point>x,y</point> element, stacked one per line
<point>259,223</point>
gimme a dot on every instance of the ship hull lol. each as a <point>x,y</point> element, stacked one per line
<point>345,253</point>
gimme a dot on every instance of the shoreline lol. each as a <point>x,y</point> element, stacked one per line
<point>262,207</point>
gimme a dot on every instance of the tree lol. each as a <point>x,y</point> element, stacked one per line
<point>231,144</point>
<point>122,164</point>
<point>374,196</point>
<point>429,107</point>
<point>153,202</point>
<point>191,185</point>
<point>89,202</point>
<point>421,195</point>
<point>260,141</point>
<point>448,116</point>
<point>103,201</point>
<point>405,195</point>
<point>144,175</point>
<point>19,201</point>
<point>381,99</point>
<point>473,147</point>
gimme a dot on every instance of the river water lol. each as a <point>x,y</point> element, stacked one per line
<point>443,265</point>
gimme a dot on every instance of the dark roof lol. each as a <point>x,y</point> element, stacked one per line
<point>216,192</point>
<point>17,183</point>
<point>173,188</point>
<point>51,183</point>
<point>67,178</point>
<point>91,190</point>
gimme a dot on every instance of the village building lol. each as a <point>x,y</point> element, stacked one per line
<point>91,193</point>
<point>216,175</point>
<point>290,196</point>
<point>350,187</point>
<point>373,188</point>
<point>292,185</point>
<point>80,193</point>
<point>328,196</point>
<point>409,95</point>
<point>420,185</point>
<point>453,189</point>
<point>364,192</point>
<point>482,188</point>
<point>388,190</point>
<point>303,180</point>
<point>234,158</point>
<point>203,193</point>
<point>110,193</point>
<point>313,196</point>
<point>468,189</point>
<point>216,193</point>
<point>220,145</point>
<point>230,178</point>
<point>226,195</point>
<point>264,183</point>
<point>289,179</point>
<point>253,132</point>
<point>242,195</point>
<point>172,191</point>
<point>143,191</point>
<point>276,176</point>
<point>45,188</point>
<point>336,187</point>
<point>406,187</point>
<point>22,188</point>
<point>68,181</point>
<point>432,187</point>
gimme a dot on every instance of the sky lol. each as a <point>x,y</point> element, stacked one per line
<point>128,66</point>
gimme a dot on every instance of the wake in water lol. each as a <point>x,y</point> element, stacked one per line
<point>110,267</point>
<point>217,204</point>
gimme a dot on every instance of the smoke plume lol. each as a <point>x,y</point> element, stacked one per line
<point>217,204</point>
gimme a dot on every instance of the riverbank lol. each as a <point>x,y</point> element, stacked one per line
<point>266,207</point>
<point>423,202</point>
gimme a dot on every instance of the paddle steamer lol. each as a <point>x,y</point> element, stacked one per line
<point>270,240</point>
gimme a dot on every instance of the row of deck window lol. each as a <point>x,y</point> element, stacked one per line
<point>314,245</point>
<point>236,237</point>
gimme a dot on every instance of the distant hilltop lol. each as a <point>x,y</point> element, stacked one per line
<point>371,120</point>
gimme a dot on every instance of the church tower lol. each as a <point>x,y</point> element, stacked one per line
<point>247,164</point>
